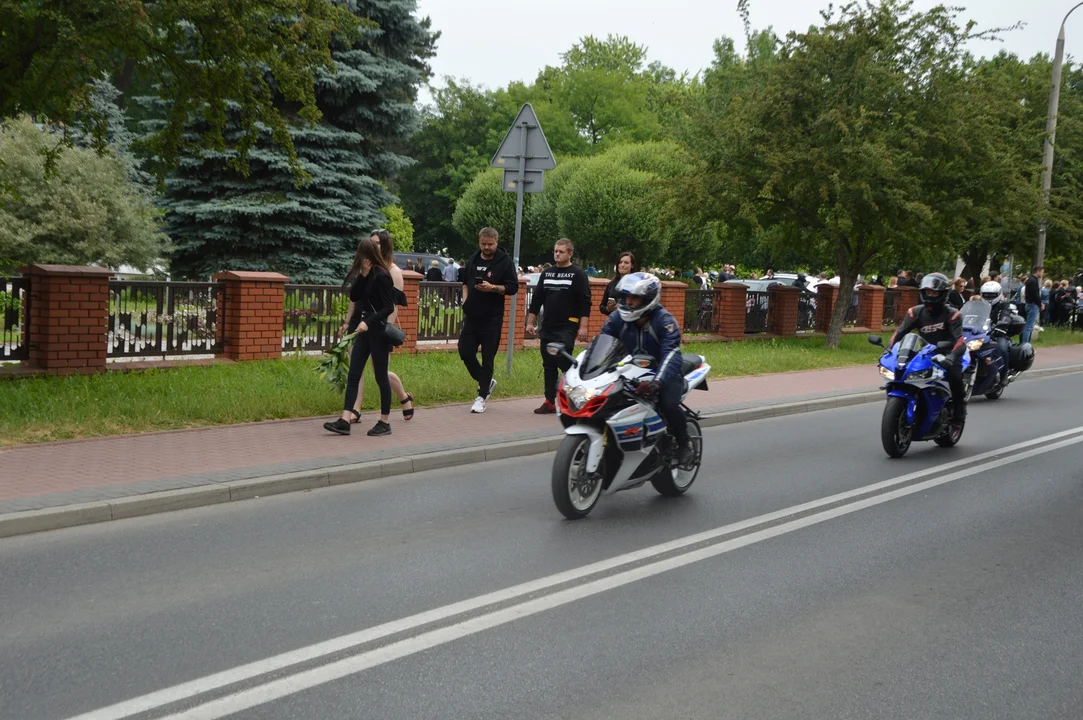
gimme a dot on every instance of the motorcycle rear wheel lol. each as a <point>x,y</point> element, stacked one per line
<point>574,491</point>
<point>997,392</point>
<point>674,481</point>
<point>895,434</point>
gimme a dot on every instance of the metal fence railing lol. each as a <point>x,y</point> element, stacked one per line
<point>152,319</point>
<point>699,312</point>
<point>312,316</point>
<point>14,318</point>
<point>440,312</point>
<point>850,319</point>
<point>891,301</point>
<point>756,304</point>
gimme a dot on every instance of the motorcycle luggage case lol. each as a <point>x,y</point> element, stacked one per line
<point>1021,357</point>
<point>1018,322</point>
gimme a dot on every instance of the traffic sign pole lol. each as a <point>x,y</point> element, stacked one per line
<point>524,129</point>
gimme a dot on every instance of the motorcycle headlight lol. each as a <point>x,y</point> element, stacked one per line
<point>579,396</point>
<point>920,374</point>
<point>887,373</point>
<point>974,345</point>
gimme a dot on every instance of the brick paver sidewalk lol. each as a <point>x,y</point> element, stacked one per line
<point>63,473</point>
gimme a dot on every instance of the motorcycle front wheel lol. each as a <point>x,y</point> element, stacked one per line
<point>675,480</point>
<point>997,392</point>
<point>895,433</point>
<point>575,492</point>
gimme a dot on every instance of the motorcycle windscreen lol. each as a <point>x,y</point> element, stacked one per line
<point>976,316</point>
<point>910,346</point>
<point>604,352</point>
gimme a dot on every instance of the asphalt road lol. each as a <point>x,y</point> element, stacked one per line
<point>945,584</point>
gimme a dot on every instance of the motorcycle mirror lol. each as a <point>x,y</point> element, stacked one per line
<point>876,340</point>
<point>554,349</point>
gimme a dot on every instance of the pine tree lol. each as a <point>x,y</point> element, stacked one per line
<point>221,219</point>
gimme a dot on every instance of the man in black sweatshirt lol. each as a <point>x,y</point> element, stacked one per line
<point>564,291</point>
<point>489,276</point>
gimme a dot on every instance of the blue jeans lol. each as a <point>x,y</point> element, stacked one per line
<point>1032,319</point>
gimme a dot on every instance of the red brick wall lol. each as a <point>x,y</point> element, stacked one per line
<point>908,298</point>
<point>673,294</point>
<point>782,310</point>
<point>870,307</point>
<point>825,305</point>
<point>520,319</point>
<point>68,322</point>
<point>408,316</point>
<point>730,303</point>
<point>597,317</point>
<point>254,314</point>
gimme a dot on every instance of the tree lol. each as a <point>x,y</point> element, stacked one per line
<point>839,142</point>
<point>400,227</point>
<point>86,211</point>
<point>485,204</point>
<point>221,219</point>
<point>52,50</point>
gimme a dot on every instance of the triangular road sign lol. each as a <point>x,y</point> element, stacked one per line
<point>538,154</point>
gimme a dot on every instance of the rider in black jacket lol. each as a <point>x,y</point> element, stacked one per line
<point>937,322</point>
<point>1001,314</point>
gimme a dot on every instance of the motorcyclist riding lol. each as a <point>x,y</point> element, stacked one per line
<point>1001,314</point>
<point>645,327</point>
<point>936,322</point>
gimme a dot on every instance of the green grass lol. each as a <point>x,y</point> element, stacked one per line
<point>50,408</point>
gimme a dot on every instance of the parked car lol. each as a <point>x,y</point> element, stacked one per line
<point>426,259</point>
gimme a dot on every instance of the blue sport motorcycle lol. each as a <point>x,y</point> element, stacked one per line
<point>987,374</point>
<point>918,395</point>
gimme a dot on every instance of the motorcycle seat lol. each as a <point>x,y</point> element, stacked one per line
<point>691,362</point>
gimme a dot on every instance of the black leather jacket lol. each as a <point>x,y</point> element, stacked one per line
<point>935,326</point>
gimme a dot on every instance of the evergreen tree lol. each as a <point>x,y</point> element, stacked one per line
<point>219,219</point>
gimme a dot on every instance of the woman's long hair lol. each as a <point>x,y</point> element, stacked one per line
<point>387,248</point>
<point>367,249</point>
<point>623,255</point>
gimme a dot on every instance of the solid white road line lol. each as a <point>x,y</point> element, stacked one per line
<point>326,673</point>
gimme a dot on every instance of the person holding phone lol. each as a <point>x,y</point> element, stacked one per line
<point>488,278</point>
<point>625,264</point>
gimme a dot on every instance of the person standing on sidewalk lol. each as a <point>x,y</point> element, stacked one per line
<point>1032,296</point>
<point>564,291</point>
<point>372,300</point>
<point>489,276</point>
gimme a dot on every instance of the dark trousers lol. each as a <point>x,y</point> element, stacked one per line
<point>669,405</point>
<point>483,333</point>
<point>551,364</point>
<point>958,390</point>
<point>1004,348</point>
<point>374,344</point>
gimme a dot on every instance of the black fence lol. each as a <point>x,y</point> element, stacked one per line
<point>699,312</point>
<point>440,312</point>
<point>157,319</point>
<point>756,304</point>
<point>14,318</point>
<point>891,301</point>
<point>312,316</point>
<point>806,312</point>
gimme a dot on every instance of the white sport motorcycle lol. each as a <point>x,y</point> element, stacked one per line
<point>615,440</point>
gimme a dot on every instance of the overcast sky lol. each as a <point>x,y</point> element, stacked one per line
<point>493,42</point>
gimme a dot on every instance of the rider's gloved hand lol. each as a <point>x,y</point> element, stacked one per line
<point>948,362</point>
<point>648,389</point>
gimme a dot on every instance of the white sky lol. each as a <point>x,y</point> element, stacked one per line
<point>493,42</point>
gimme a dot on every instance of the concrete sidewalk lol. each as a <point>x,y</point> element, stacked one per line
<point>123,476</point>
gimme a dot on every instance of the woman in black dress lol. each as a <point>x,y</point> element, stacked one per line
<point>625,264</point>
<point>372,300</point>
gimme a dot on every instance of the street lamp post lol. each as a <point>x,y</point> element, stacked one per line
<point>1050,136</point>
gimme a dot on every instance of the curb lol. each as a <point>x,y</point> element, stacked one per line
<point>32,521</point>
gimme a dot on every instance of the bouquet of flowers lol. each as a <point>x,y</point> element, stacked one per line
<point>334,367</point>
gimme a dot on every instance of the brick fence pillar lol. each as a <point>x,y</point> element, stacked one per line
<point>597,317</point>
<point>908,298</point>
<point>730,309</point>
<point>254,304</point>
<point>870,307</point>
<point>673,297</point>
<point>409,315</point>
<point>825,304</point>
<point>782,310</point>
<point>69,318</point>
<point>519,319</point>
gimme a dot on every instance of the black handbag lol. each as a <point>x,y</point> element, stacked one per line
<point>392,333</point>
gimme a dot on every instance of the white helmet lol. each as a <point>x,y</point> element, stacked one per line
<point>639,285</point>
<point>992,292</point>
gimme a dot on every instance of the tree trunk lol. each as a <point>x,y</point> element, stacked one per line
<point>842,304</point>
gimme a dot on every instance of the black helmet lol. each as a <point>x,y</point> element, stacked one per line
<point>934,290</point>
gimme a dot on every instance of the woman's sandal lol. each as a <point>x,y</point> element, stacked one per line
<point>356,417</point>
<point>407,413</point>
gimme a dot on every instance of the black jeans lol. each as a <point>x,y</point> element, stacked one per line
<point>1004,347</point>
<point>669,405</point>
<point>375,344</point>
<point>484,333</point>
<point>958,390</point>
<point>551,364</point>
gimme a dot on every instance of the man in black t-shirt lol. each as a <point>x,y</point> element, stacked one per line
<point>564,292</point>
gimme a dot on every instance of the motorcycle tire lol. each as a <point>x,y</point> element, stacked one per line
<point>574,493</point>
<point>951,435</point>
<point>997,392</point>
<point>895,435</point>
<point>674,481</point>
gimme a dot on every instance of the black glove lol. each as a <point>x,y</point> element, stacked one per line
<point>948,362</point>
<point>648,389</point>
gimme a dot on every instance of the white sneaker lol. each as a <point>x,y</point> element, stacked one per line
<point>479,405</point>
